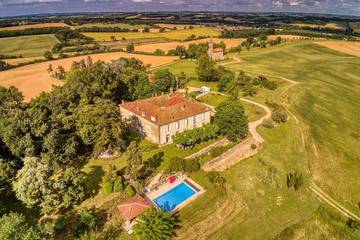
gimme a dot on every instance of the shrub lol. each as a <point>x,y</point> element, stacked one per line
<point>107,187</point>
<point>86,220</point>
<point>192,165</point>
<point>118,185</point>
<point>253,146</point>
<point>295,180</point>
<point>268,123</point>
<point>189,138</point>
<point>216,178</point>
<point>217,151</point>
<point>279,115</point>
<point>178,164</point>
<point>130,190</point>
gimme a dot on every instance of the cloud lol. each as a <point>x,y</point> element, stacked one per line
<point>11,7</point>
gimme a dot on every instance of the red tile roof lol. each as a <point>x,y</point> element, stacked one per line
<point>133,207</point>
<point>166,108</point>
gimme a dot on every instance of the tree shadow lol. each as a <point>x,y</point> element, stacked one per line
<point>93,180</point>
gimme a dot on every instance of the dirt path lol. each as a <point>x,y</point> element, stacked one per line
<point>225,212</point>
<point>329,200</point>
<point>244,149</point>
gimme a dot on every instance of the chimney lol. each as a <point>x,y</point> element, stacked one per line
<point>183,107</point>
<point>143,114</point>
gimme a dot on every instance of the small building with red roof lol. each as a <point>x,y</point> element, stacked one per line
<point>159,118</point>
<point>133,207</point>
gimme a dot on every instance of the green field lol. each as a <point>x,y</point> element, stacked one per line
<point>258,204</point>
<point>171,35</point>
<point>28,46</point>
<point>327,104</point>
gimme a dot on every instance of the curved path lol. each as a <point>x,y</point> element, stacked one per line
<point>242,150</point>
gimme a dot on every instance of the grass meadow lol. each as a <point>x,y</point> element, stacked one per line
<point>322,145</point>
<point>27,46</point>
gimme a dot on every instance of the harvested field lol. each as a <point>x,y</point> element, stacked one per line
<point>39,25</point>
<point>33,79</point>
<point>172,45</point>
<point>290,37</point>
<point>178,26</point>
<point>16,61</point>
<point>327,25</point>
<point>352,48</point>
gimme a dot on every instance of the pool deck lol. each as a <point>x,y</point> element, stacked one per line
<point>164,188</point>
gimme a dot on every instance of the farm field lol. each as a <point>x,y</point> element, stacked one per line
<point>326,101</point>
<point>327,25</point>
<point>33,79</point>
<point>28,46</point>
<point>257,197</point>
<point>173,35</point>
<point>39,25</point>
<point>352,48</point>
<point>172,45</point>
<point>120,25</point>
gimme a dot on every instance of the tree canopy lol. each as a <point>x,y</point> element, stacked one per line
<point>231,120</point>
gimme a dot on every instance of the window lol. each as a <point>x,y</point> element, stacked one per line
<point>194,120</point>
<point>186,122</point>
<point>177,125</point>
<point>203,116</point>
<point>167,138</point>
<point>168,127</point>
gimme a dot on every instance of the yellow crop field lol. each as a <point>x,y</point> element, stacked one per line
<point>39,25</point>
<point>174,35</point>
<point>352,48</point>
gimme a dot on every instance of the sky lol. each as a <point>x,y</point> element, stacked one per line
<point>28,7</point>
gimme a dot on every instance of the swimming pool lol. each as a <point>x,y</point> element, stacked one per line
<point>175,196</point>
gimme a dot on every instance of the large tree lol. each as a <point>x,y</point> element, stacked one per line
<point>33,182</point>
<point>206,69</point>
<point>164,81</point>
<point>231,120</point>
<point>100,125</point>
<point>154,224</point>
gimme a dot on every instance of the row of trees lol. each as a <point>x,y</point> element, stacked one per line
<point>31,31</point>
<point>189,138</point>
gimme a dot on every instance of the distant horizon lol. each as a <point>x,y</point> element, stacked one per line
<point>120,12</point>
<point>16,8</point>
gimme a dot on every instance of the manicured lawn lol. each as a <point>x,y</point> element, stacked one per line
<point>173,35</point>
<point>28,46</point>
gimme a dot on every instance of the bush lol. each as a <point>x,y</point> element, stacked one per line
<point>279,115</point>
<point>192,165</point>
<point>107,187</point>
<point>216,178</point>
<point>253,146</point>
<point>178,164</point>
<point>295,180</point>
<point>217,151</point>
<point>189,138</point>
<point>118,185</point>
<point>130,190</point>
<point>268,123</point>
<point>86,220</point>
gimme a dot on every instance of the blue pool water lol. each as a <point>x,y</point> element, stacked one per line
<point>169,200</point>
